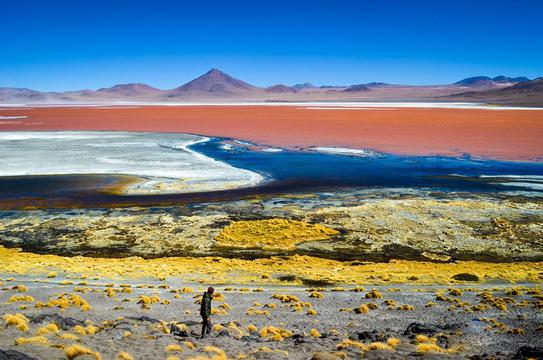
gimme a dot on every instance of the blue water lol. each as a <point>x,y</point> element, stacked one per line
<point>286,171</point>
<point>307,169</point>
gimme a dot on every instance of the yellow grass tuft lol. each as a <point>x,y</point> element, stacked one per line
<point>455,292</point>
<point>358,289</point>
<point>374,294</point>
<point>315,333</point>
<point>423,339</point>
<point>285,298</point>
<point>21,298</point>
<point>76,350</point>
<point>380,346</point>
<point>218,354</point>
<point>174,348</point>
<point>68,336</point>
<point>17,320</point>
<point>38,340</point>
<point>516,331</point>
<point>124,356</point>
<point>274,333</point>
<point>52,274</point>
<point>316,295</point>
<point>425,348</point>
<point>393,342</point>
<point>347,343</point>
<point>78,329</point>
<point>20,288</point>
<point>362,309</point>
<point>48,329</point>
<point>311,312</point>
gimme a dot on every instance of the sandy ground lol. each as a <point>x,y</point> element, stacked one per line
<point>458,328</point>
<point>505,134</point>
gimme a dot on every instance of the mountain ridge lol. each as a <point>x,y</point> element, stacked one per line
<point>216,85</point>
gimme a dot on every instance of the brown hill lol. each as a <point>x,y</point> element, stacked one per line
<point>132,89</point>
<point>523,93</point>
<point>214,82</point>
<point>281,89</point>
<point>357,88</point>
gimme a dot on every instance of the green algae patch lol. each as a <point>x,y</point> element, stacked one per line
<point>272,234</point>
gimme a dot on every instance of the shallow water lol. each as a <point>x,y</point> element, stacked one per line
<point>220,169</point>
<point>306,168</point>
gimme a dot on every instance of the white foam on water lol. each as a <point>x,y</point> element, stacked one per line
<point>165,159</point>
<point>343,151</point>
<point>526,185</point>
<point>345,108</point>
<point>12,117</point>
<point>534,178</point>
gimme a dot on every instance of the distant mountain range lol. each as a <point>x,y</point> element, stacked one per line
<point>527,93</point>
<point>215,85</point>
<point>486,81</point>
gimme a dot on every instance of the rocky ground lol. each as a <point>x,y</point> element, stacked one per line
<point>59,318</point>
<point>363,225</point>
<point>455,276</point>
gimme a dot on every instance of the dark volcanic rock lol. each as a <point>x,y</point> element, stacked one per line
<point>14,355</point>
<point>65,323</point>
<point>429,329</point>
<point>371,336</point>
<point>175,330</point>
<point>529,352</point>
<point>465,277</point>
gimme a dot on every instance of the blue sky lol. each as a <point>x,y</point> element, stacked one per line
<point>68,45</point>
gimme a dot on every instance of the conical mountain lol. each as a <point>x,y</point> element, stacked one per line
<point>213,82</point>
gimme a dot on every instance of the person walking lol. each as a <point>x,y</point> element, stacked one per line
<point>205,311</point>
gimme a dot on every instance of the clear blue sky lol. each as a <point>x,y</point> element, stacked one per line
<point>68,45</point>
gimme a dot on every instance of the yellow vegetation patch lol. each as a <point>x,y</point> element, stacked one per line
<point>272,234</point>
<point>362,309</point>
<point>48,329</point>
<point>347,343</point>
<point>124,356</point>
<point>275,333</point>
<point>423,339</point>
<point>20,288</point>
<point>39,340</point>
<point>393,342</point>
<point>316,295</point>
<point>315,333</point>
<point>174,348</point>
<point>424,348</point>
<point>380,346</point>
<point>17,320</point>
<point>249,271</point>
<point>76,350</point>
<point>68,336</point>
<point>21,298</point>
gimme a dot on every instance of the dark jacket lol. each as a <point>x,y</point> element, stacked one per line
<point>205,308</point>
